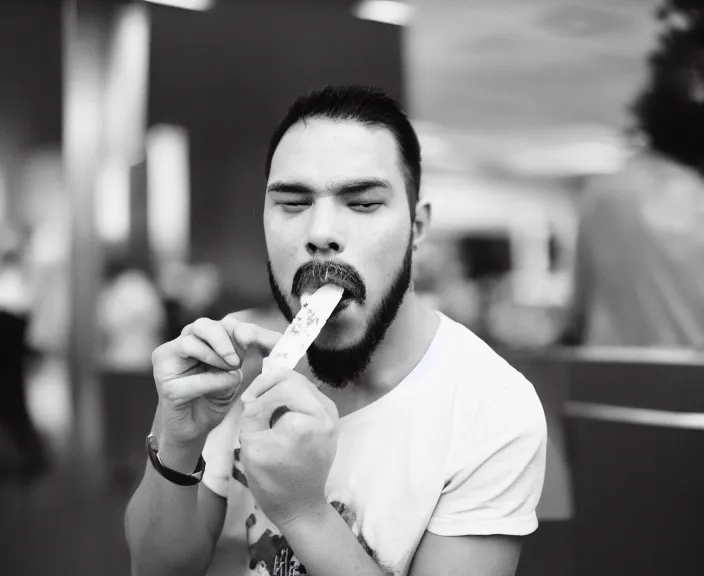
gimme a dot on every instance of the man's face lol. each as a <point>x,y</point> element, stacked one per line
<point>336,207</point>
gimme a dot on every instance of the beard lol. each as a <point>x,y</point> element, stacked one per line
<point>338,367</point>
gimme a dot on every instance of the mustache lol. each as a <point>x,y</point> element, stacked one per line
<point>315,274</point>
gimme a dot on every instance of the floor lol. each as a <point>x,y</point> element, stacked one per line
<point>69,521</point>
<point>62,524</point>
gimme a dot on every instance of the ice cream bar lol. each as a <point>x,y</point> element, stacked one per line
<point>305,327</point>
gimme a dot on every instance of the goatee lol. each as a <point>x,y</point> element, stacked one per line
<point>338,367</point>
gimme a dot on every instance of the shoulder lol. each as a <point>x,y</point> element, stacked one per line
<point>471,363</point>
<point>488,392</point>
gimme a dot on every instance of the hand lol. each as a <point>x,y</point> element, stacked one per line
<point>198,374</point>
<point>288,465</point>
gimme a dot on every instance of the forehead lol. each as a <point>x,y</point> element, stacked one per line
<point>322,149</point>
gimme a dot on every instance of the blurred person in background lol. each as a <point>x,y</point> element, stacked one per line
<point>639,277</point>
<point>403,445</point>
<point>16,299</point>
<point>131,317</point>
<point>188,291</point>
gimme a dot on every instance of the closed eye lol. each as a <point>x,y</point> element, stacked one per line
<point>294,206</point>
<point>364,206</point>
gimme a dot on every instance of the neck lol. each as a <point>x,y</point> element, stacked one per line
<point>405,343</point>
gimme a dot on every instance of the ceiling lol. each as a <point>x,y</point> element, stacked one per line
<point>501,79</point>
<point>518,74</point>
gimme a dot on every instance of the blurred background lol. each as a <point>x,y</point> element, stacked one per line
<point>562,151</point>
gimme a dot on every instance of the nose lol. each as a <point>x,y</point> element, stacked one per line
<point>325,235</point>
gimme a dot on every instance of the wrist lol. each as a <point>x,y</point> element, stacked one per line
<point>179,457</point>
<point>314,516</point>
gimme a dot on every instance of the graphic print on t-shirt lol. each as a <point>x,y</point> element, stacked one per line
<point>269,552</point>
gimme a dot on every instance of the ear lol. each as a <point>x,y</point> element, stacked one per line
<point>421,224</point>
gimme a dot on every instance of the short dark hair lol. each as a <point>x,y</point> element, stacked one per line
<point>364,104</point>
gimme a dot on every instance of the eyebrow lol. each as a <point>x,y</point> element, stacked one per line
<point>346,187</point>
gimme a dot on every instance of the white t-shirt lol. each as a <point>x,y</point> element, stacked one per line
<point>456,448</point>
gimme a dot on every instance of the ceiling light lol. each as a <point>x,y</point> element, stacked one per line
<point>186,4</point>
<point>386,11</point>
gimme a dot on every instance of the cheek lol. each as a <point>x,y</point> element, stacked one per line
<point>281,251</point>
<point>386,256</point>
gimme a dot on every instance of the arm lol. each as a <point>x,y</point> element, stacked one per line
<point>287,466</point>
<point>467,555</point>
<point>172,529</point>
<point>325,545</point>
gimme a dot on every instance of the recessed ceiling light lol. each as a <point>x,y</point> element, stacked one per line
<point>386,11</point>
<point>186,4</point>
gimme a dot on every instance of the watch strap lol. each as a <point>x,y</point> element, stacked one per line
<point>173,476</point>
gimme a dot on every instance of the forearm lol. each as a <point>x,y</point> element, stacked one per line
<point>165,528</point>
<point>326,546</point>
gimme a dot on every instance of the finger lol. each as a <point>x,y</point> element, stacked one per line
<point>245,334</point>
<point>278,413</point>
<point>266,439</point>
<point>265,381</point>
<point>221,385</point>
<point>268,379</point>
<point>293,394</point>
<point>214,334</point>
<point>190,346</point>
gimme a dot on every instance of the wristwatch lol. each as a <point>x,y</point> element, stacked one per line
<point>172,475</point>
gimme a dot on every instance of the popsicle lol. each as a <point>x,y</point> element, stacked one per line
<point>304,329</point>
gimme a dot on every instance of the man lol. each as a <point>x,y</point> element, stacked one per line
<point>408,447</point>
